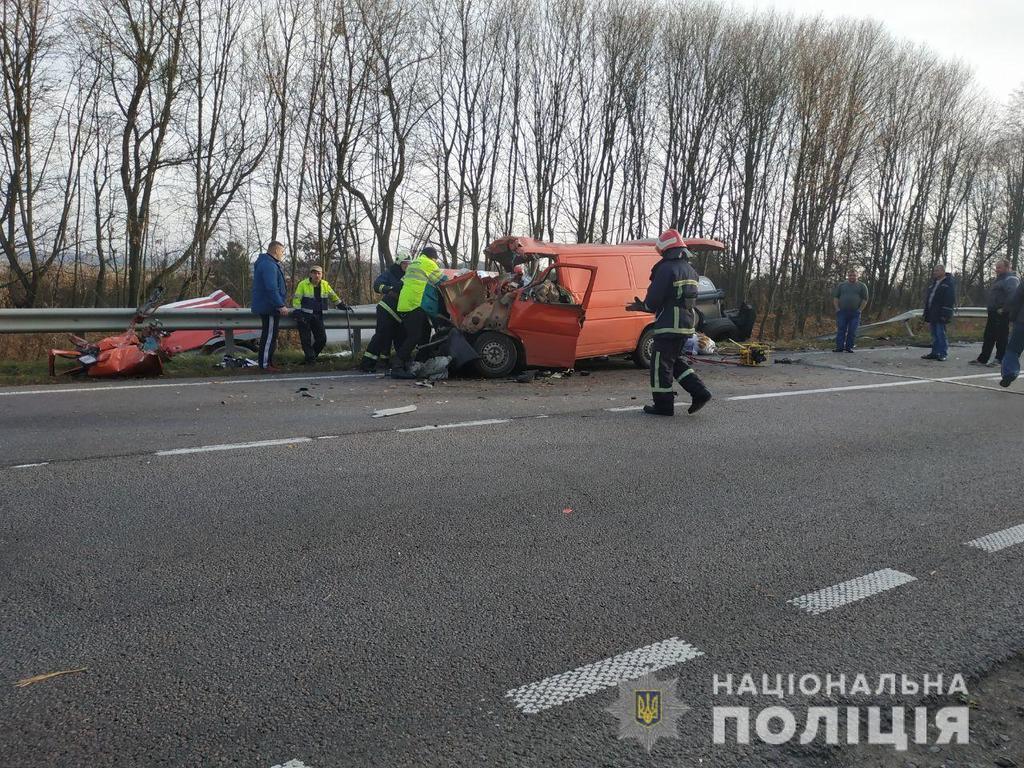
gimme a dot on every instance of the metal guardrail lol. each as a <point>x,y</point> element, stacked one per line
<point>913,314</point>
<point>116,319</point>
<point>104,319</point>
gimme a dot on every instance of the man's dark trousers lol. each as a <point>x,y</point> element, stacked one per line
<point>997,332</point>
<point>389,332</point>
<point>312,334</point>
<point>847,322</point>
<point>668,366</point>
<point>416,325</point>
<point>268,339</point>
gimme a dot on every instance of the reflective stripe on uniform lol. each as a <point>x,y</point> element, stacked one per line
<point>680,331</point>
<point>684,374</point>
<point>387,307</point>
<point>656,374</point>
<point>686,282</point>
<point>369,356</point>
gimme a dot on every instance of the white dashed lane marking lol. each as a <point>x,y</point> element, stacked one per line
<point>175,385</point>
<point>234,446</point>
<point>26,466</point>
<point>1000,539</point>
<point>292,764</point>
<point>480,423</point>
<point>851,591</point>
<point>855,387</point>
<point>582,681</point>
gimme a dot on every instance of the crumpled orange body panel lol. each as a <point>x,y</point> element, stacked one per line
<point>122,356</point>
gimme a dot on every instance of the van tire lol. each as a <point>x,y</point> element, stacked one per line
<point>642,354</point>
<point>499,354</point>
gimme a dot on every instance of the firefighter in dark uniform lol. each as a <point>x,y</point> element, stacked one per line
<point>389,331</point>
<point>672,298</point>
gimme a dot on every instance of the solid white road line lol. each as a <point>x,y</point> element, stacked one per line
<point>233,446</point>
<point>481,423</point>
<point>266,379</point>
<point>625,408</point>
<point>1000,539</point>
<point>853,387</point>
<point>26,466</point>
<point>582,681</point>
<point>851,591</point>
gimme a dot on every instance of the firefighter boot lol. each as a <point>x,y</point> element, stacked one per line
<point>664,404</point>
<point>699,395</point>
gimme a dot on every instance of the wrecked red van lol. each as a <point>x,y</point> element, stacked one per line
<point>572,305</point>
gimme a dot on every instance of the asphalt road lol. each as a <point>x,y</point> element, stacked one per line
<point>354,594</point>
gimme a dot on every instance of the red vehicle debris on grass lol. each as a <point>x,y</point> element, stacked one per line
<point>143,347</point>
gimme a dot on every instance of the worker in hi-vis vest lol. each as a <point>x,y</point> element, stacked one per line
<point>672,298</point>
<point>388,331</point>
<point>421,272</point>
<point>312,296</point>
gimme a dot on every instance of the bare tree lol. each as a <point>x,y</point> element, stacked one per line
<point>42,126</point>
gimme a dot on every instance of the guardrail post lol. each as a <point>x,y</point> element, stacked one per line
<point>229,341</point>
<point>355,342</point>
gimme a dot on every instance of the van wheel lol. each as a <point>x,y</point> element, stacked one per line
<point>642,353</point>
<point>498,354</point>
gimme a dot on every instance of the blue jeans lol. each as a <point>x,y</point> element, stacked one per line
<point>940,346</point>
<point>1014,348</point>
<point>847,321</point>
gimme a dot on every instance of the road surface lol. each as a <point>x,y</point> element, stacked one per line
<point>255,572</point>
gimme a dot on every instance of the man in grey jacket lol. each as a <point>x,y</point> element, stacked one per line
<point>849,299</point>
<point>997,327</point>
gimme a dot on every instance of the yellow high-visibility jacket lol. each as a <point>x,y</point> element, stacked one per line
<point>421,271</point>
<point>305,296</point>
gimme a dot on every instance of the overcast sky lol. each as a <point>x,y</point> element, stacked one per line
<point>987,34</point>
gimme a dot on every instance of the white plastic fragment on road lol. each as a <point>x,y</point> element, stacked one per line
<point>851,591</point>
<point>994,542</point>
<point>480,423</point>
<point>235,446</point>
<point>393,411</point>
<point>582,681</point>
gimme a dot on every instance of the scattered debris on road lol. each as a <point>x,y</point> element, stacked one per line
<point>393,411</point>
<point>40,678</point>
<point>231,361</point>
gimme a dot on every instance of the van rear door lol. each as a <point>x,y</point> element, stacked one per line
<point>547,318</point>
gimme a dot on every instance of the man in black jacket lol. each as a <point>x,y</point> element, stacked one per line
<point>997,327</point>
<point>388,332</point>
<point>939,300</point>
<point>672,298</point>
<point>1015,346</point>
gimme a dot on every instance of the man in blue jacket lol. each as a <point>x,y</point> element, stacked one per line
<point>269,299</point>
<point>1015,346</point>
<point>939,300</point>
<point>672,298</point>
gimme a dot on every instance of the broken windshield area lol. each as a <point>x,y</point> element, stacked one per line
<point>546,289</point>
